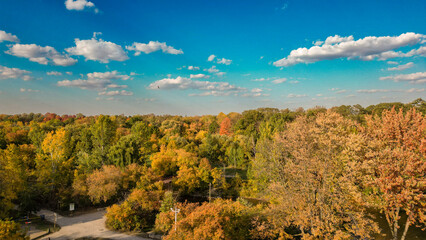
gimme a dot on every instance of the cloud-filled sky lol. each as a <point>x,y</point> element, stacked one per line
<point>205,57</point>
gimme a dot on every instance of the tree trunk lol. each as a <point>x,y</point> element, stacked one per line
<point>407,224</point>
<point>395,224</point>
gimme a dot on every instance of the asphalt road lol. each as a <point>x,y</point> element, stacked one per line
<point>87,225</point>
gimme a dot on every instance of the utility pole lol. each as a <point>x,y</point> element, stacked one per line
<point>176,211</point>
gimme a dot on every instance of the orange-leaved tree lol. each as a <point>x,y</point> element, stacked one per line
<point>396,165</point>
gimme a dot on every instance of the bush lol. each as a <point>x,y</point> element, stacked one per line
<point>10,230</point>
<point>137,212</point>
<point>222,219</point>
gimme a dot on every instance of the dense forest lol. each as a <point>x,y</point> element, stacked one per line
<point>260,174</point>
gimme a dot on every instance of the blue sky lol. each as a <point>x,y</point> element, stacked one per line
<point>139,57</point>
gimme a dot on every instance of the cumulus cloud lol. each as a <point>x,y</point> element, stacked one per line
<point>261,79</point>
<point>213,69</point>
<point>116,86</point>
<point>28,90</point>
<point>341,91</point>
<point>98,50</point>
<point>220,74</point>
<point>193,68</point>
<point>418,77</point>
<point>337,39</point>
<point>421,51</point>
<point>4,36</point>
<point>367,48</point>
<point>256,90</point>
<point>392,62</point>
<point>13,73</point>
<point>54,73</point>
<point>99,81</point>
<point>279,80</point>
<point>198,76</point>
<point>116,93</point>
<point>152,46</point>
<point>42,55</point>
<point>211,57</point>
<point>187,83</point>
<point>402,67</point>
<point>224,61</point>
<point>79,5</point>
<point>93,84</point>
<point>107,75</point>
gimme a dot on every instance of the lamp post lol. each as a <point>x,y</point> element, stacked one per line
<point>176,211</point>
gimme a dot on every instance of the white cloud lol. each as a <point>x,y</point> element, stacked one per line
<point>341,91</point>
<point>193,68</point>
<point>54,73</point>
<point>294,82</point>
<point>13,73</point>
<point>256,90</point>
<point>198,76</point>
<point>98,50</point>
<point>93,84</point>
<point>116,93</point>
<point>421,51</point>
<point>337,39</point>
<point>4,36</point>
<point>224,61</point>
<point>279,80</point>
<point>79,5</point>
<point>418,77</point>
<point>69,73</point>
<point>107,75</point>
<point>392,62</point>
<point>211,57</point>
<point>261,79</point>
<point>42,55</point>
<point>96,81</point>
<point>213,69</point>
<point>116,86</point>
<point>318,42</point>
<point>220,74</point>
<point>401,67</point>
<point>28,90</point>
<point>367,48</point>
<point>187,83</point>
<point>152,46</point>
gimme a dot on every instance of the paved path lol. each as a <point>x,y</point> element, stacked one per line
<point>87,225</point>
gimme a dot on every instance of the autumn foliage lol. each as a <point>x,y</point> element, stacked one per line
<point>268,173</point>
